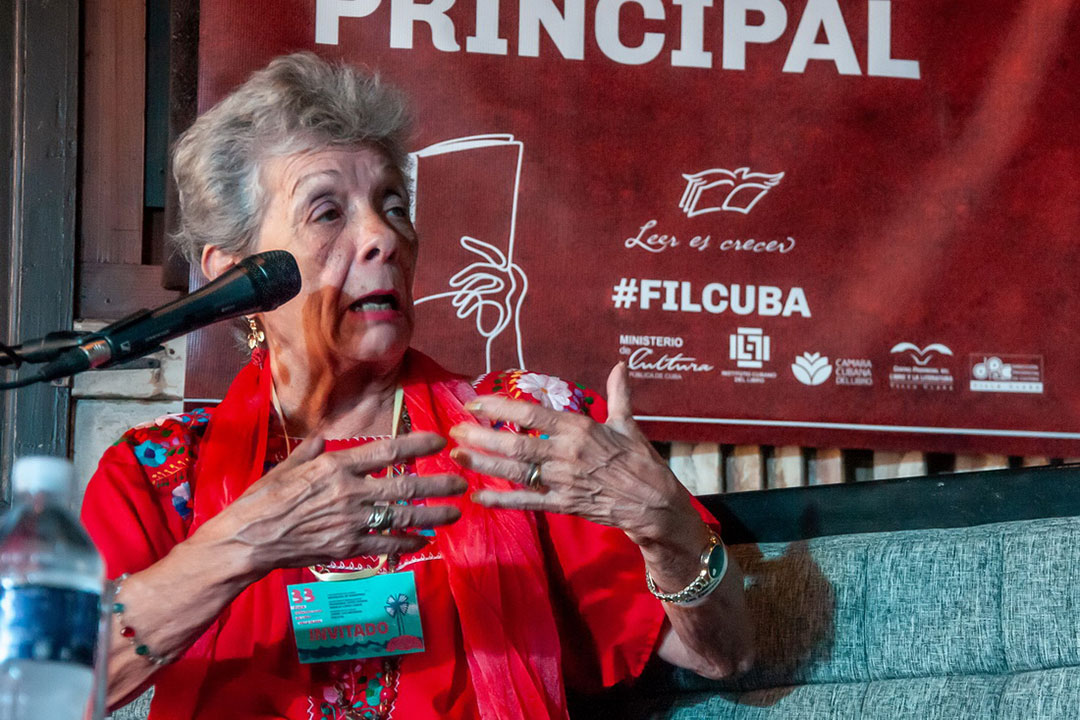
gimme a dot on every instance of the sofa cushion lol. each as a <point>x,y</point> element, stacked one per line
<point>1044,694</point>
<point>980,600</point>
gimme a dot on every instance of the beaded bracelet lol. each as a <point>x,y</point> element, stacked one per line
<point>128,631</point>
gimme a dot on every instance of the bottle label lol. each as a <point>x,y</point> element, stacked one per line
<point>48,624</point>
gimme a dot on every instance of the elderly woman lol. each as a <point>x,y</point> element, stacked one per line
<point>549,549</point>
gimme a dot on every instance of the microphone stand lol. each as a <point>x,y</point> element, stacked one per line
<point>50,347</point>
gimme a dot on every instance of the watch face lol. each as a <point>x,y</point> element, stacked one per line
<point>717,560</point>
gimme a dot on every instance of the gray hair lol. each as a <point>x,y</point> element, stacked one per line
<point>297,102</point>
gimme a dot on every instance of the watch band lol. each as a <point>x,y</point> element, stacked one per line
<point>707,580</point>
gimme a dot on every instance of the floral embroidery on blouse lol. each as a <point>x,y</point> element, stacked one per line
<point>550,391</point>
<point>356,691</point>
<point>546,390</point>
<point>166,448</point>
<point>181,499</point>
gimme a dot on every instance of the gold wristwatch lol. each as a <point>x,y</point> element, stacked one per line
<point>714,564</point>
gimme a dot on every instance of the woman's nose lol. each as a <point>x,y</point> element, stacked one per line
<point>378,241</point>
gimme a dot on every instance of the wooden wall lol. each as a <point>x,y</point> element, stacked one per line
<point>39,64</point>
<point>122,249</point>
<point>708,468</point>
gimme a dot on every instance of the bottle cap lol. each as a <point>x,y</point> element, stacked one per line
<point>43,473</point>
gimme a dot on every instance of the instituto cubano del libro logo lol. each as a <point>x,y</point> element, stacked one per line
<point>750,349</point>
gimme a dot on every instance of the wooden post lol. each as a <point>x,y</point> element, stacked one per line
<point>745,469</point>
<point>113,131</point>
<point>785,467</point>
<point>39,90</point>
<point>971,463</point>
<point>827,466</point>
<point>697,466</point>
<point>681,462</point>
<point>897,465</point>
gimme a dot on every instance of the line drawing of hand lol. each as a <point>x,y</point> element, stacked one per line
<point>493,288</point>
<point>488,285</point>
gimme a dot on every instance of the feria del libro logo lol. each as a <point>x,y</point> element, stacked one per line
<point>736,190</point>
<point>811,368</point>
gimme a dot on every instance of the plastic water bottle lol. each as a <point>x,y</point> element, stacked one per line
<point>51,582</point>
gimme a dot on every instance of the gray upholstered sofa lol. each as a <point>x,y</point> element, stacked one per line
<point>964,603</point>
<point>973,612</point>
<point>979,622</point>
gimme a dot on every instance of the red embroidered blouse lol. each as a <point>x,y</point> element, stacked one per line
<point>138,506</point>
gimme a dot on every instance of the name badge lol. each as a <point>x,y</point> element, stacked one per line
<point>354,619</point>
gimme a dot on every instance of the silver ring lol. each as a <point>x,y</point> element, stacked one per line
<point>533,481</point>
<point>381,517</point>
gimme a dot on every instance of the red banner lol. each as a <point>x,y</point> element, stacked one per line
<point>818,222</point>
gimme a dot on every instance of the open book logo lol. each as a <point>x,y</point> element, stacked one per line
<point>740,189</point>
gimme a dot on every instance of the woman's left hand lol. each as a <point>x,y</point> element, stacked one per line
<point>607,473</point>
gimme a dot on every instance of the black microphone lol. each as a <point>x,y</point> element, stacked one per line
<point>257,283</point>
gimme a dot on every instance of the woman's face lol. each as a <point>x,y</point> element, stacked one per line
<point>344,215</point>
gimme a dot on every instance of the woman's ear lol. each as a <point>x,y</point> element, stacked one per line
<point>215,261</point>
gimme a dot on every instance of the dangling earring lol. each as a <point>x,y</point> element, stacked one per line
<point>255,334</point>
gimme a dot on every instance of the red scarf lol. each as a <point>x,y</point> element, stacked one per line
<point>493,558</point>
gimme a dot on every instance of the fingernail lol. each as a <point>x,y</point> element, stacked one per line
<point>473,406</point>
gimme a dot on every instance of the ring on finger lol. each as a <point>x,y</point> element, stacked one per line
<point>532,480</point>
<point>381,517</point>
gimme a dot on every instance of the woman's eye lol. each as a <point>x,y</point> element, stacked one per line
<point>395,206</point>
<point>328,214</point>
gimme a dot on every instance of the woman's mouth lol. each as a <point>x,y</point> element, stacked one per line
<point>377,306</point>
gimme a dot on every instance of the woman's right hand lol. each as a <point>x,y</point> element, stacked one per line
<point>313,507</point>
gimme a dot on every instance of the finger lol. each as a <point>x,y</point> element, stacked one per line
<point>378,544</point>
<point>520,412</point>
<point>620,410</point>
<point>517,500</point>
<point>312,446</point>
<point>420,516</point>
<point>513,470</point>
<point>618,394</point>
<point>379,454</point>
<point>409,487</point>
<point>495,442</point>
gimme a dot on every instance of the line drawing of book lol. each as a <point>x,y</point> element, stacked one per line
<point>747,188</point>
<point>492,287</point>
